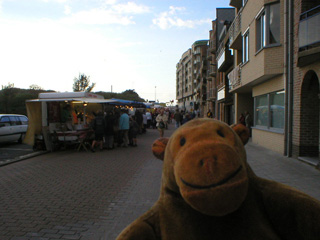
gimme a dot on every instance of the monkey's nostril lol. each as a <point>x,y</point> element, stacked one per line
<point>201,162</point>
<point>220,133</point>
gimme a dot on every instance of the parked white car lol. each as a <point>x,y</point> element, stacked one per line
<point>13,127</point>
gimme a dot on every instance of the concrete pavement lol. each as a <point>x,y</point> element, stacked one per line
<point>93,196</point>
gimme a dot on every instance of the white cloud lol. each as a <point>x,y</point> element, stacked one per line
<point>58,1</point>
<point>110,2</point>
<point>170,19</point>
<point>67,9</point>
<point>130,7</point>
<point>111,13</point>
<point>99,17</point>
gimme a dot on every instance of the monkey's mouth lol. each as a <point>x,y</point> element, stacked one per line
<point>223,181</point>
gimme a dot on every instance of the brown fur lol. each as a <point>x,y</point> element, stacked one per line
<point>210,192</point>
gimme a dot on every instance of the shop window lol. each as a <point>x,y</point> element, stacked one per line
<point>261,113</point>
<point>277,110</point>
<point>268,26</point>
<point>269,111</point>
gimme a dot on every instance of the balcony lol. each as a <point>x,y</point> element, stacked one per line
<point>309,37</point>
<point>234,78</point>
<point>235,33</point>
<point>224,59</point>
<point>211,94</point>
<point>236,3</point>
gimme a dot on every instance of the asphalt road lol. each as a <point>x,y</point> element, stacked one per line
<point>13,151</point>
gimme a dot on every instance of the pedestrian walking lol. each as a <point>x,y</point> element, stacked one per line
<point>161,122</point>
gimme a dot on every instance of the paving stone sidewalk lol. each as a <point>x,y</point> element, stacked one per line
<point>93,196</point>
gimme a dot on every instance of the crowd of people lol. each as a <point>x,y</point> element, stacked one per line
<point>121,129</point>
<point>116,128</point>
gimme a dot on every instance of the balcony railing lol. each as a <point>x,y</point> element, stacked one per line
<point>234,78</point>
<point>235,30</point>
<point>309,31</point>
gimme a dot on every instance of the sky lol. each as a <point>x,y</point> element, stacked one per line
<point>119,44</point>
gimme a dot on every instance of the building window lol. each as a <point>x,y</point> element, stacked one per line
<point>269,111</point>
<point>277,110</point>
<point>245,52</point>
<point>261,113</point>
<point>268,26</point>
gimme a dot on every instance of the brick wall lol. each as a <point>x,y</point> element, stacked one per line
<point>270,140</point>
<point>305,135</point>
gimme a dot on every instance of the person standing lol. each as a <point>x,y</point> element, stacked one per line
<point>133,132</point>
<point>209,114</point>
<point>248,121</point>
<point>149,119</point>
<point>139,120</point>
<point>98,126</point>
<point>161,120</point>
<point>144,122</point>
<point>109,130</point>
<point>242,119</point>
<point>176,117</point>
<point>124,127</point>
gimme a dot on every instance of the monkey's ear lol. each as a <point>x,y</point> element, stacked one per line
<point>159,147</point>
<point>242,131</point>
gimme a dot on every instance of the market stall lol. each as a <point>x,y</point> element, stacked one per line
<point>64,117</point>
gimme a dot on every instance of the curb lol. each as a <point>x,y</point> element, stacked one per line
<point>24,157</point>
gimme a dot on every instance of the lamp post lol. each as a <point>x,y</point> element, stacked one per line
<point>155,93</point>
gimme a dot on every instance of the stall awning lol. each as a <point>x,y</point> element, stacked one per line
<point>84,100</point>
<point>128,103</point>
<point>112,101</point>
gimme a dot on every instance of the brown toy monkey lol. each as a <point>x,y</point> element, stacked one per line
<point>210,192</point>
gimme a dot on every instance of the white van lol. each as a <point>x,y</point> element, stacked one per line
<point>13,127</point>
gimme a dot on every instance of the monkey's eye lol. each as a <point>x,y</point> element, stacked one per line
<point>182,141</point>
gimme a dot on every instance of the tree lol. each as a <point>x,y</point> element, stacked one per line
<point>35,87</point>
<point>5,96</point>
<point>82,84</point>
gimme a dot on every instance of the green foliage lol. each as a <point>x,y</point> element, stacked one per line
<point>12,100</point>
<point>82,84</point>
<point>126,95</point>
<point>35,87</point>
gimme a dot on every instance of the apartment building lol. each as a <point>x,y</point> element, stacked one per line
<point>257,78</point>
<point>211,70</point>
<point>276,71</point>
<point>184,88</point>
<point>191,77</point>
<point>263,57</point>
<point>224,58</point>
<point>199,52</point>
